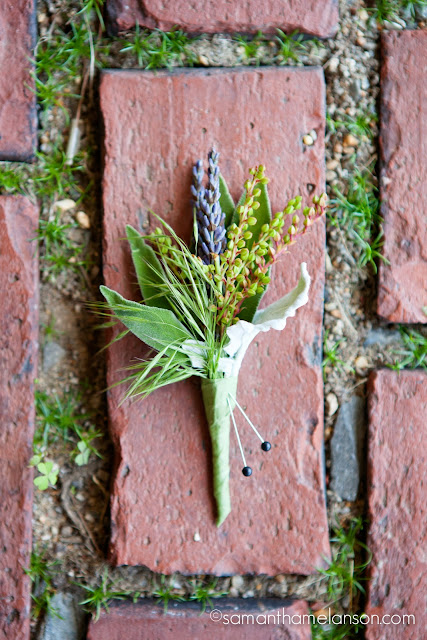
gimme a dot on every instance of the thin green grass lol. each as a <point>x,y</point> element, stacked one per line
<point>331,359</point>
<point>99,597</point>
<point>358,213</point>
<point>361,125</point>
<point>413,355</point>
<point>389,10</point>
<point>344,579</point>
<point>250,46</point>
<point>41,573</point>
<point>157,49</point>
<point>289,47</point>
<point>60,420</point>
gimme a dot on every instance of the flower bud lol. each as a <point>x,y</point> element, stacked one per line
<point>256,205</point>
<point>252,221</point>
<point>247,235</point>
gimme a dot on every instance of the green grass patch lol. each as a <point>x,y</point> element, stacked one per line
<point>157,49</point>
<point>344,580</point>
<point>413,354</point>
<point>41,573</point>
<point>59,420</point>
<point>357,212</point>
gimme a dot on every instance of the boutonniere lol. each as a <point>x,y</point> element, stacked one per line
<point>199,310</point>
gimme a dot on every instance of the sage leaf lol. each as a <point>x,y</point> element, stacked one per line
<point>158,328</point>
<point>148,270</point>
<point>225,201</point>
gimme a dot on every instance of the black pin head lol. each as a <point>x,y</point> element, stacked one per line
<point>266,446</point>
<point>247,471</point>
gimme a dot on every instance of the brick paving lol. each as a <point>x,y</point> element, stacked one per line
<point>403,140</point>
<point>309,16</point>
<point>156,126</point>
<point>397,472</point>
<point>18,125</point>
<point>241,620</point>
<point>18,356</point>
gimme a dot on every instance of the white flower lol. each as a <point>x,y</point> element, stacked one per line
<point>242,333</point>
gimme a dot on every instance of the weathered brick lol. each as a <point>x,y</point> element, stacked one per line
<point>309,16</point>
<point>403,139</point>
<point>241,620</point>
<point>397,472</point>
<point>18,355</point>
<point>156,126</point>
<point>18,126</point>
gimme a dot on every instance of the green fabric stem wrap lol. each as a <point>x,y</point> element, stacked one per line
<point>215,395</point>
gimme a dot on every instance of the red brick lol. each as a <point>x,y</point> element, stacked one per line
<point>18,356</point>
<point>403,138</point>
<point>18,124</point>
<point>156,126</point>
<point>397,475</point>
<point>309,16</point>
<point>147,621</point>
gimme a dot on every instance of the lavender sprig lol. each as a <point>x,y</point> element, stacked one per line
<point>210,219</point>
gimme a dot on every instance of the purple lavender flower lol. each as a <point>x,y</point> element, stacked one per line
<point>210,219</point>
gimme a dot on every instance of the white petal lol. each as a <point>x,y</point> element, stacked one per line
<point>275,316</point>
<point>242,333</point>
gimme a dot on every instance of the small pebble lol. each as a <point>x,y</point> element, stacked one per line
<point>330,175</point>
<point>237,582</point>
<point>65,205</point>
<point>204,61</point>
<point>66,532</point>
<point>83,220</point>
<point>350,141</point>
<point>308,140</point>
<point>333,64</point>
<point>361,364</point>
<point>331,404</point>
<point>197,537</point>
<point>332,164</point>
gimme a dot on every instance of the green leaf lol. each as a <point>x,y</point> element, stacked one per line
<point>41,482</point>
<point>226,201</point>
<point>262,215</point>
<point>235,217</point>
<point>82,458</point>
<point>148,270</point>
<point>34,461</point>
<point>45,467</point>
<point>53,477</point>
<point>158,328</point>
<point>250,305</point>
